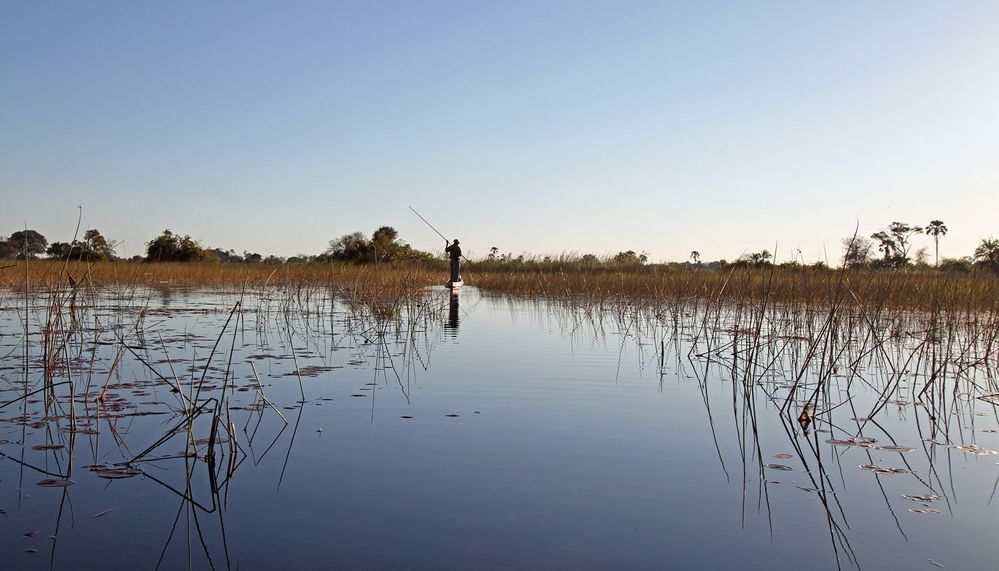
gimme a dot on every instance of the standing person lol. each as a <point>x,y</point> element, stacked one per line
<point>455,251</point>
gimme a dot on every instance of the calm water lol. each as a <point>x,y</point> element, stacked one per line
<point>483,432</point>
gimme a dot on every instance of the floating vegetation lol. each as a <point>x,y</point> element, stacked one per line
<point>185,390</point>
<point>895,448</point>
<point>859,442</point>
<point>111,473</point>
<point>975,449</point>
<point>54,483</point>
<point>48,447</point>
<point>882,469</point>
<point>927,498</point>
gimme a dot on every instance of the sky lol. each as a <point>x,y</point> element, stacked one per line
<point>533,126</point>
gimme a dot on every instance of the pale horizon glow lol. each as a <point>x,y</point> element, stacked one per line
<point>537,127</point>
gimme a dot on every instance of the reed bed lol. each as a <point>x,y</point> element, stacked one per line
<point>51,273</point>
<point>804,344</point>
<point>920,289</point>
<point>912,289</point>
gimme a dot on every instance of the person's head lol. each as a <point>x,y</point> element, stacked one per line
<point>455,241</point>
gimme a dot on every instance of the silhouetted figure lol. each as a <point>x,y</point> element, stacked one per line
<point>455,252</point>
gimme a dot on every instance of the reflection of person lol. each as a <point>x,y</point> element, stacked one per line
<point>455,251</point>
<point>452,313</point>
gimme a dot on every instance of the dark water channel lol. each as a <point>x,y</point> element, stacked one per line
<point>485,432</point>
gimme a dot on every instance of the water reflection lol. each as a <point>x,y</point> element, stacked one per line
<point>452,313</point>
<point>609,418</point>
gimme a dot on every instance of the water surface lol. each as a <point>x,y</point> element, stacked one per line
<point>473,432</point>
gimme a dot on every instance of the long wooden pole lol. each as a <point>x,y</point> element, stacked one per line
<point>427,223</point>
<point>432,228</point>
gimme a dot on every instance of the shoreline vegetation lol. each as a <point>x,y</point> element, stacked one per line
<point>885,269</point>
<point>920,288</point>
<point>830,350</point>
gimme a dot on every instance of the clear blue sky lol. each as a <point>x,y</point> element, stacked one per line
<point>532,126</point>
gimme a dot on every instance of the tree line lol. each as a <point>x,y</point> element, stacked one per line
<point>31,244</point>
<point>384,246</point>
<point>890,247</point>
<point>893,247</point>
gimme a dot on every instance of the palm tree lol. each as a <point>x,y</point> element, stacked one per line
<point>760,258</point>
<point>987,253</point>
<point>696,256</point>
<point>936,229</point>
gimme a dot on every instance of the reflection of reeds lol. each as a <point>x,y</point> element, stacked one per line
<point>816,358</point>
<point>79,333</point>
<point>802,343</point>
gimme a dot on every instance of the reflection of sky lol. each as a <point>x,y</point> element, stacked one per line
<point>568,450</point>
<point>668,126</point>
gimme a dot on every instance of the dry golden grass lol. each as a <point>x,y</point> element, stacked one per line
<point>45,273</point>
<point>917,289</point>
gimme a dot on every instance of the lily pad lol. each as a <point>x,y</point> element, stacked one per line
<point>54,483</point>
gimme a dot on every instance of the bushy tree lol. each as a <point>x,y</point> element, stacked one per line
<point>30,241</point>
<point>383,243</point>
<point>96,246</point>
<point>227,256</point>
<point>922,257</point>
<point>894,243</point>
<point>959,266</point>
<point>170,247</point>
<point>384,246</point>
<point>8,249</point>
<point>64,250</point>
<point>348,248</point>
<point>857,251</point>
<point>630,258</point>
<point>93,247</point>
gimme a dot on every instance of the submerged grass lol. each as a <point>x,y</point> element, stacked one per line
<point>801,343</point>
